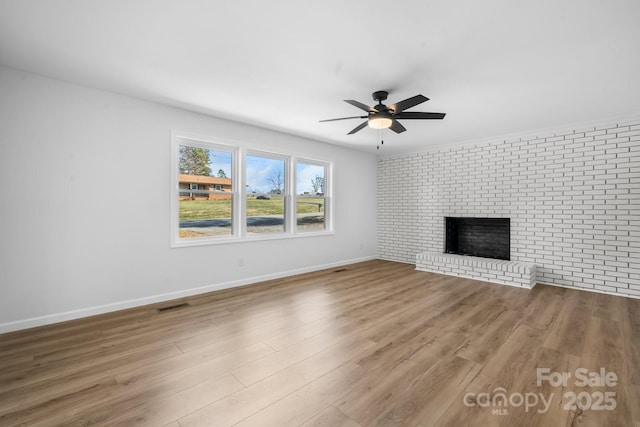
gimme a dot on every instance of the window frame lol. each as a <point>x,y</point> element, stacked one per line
<point>239,153</point>
<point>194,141</point>
<point>285,195</point>
<point>328,212</point>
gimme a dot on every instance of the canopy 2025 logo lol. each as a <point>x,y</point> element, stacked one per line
<point>600,399</point>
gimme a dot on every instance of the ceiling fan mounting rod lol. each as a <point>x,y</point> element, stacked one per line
<point>380,95</point>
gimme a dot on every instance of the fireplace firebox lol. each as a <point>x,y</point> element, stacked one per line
<point>482,237</point>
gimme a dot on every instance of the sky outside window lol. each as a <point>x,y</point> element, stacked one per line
<point>306,175</point>
<point>261,171</point>
<point>264,174</point>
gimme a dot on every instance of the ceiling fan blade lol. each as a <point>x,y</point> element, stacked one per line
<point>344,118</point>
<point>408,103</point>
<point>397,127</point>
<point>359,127</point>
<point>416,115</point>
<point>359,105</point>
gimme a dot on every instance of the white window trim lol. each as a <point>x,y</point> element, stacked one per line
<point>239,192</point>
<point>178,139</point>
<point>328,193</point>
<point>286,196</point>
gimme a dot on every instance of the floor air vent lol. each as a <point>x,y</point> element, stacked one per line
<point>172,307</point>
<point>340,270</point>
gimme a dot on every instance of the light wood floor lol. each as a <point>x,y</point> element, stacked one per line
<point>377,343</point>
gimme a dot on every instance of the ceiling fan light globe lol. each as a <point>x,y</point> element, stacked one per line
<point>380,122</point>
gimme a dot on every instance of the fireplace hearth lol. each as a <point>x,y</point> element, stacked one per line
<point>481,237</point>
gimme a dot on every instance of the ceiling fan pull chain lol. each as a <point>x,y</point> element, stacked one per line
<point>380,141</point>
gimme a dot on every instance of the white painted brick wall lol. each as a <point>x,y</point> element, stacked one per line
<point>573,199</point>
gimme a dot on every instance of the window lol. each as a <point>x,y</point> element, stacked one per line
<point>266,194</point>
<point>192,187</point>
<point>225,192</point>
<point>311,202</point>
<point>206,209</point>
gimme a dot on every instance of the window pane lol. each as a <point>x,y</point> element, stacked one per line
<point>310,201</point>
<point>265,194</point>
<point>310,213</point>
<point>204,177</point>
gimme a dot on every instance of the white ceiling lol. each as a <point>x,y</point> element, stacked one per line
<point>496,67</point>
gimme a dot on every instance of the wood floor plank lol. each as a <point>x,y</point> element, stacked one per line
<point>301,406</point>
<point>428,395</point>
<point>491,331</point>
<point>459,316</point>
<point>568,331</point>
<point>132,399</point>
<point>604,350</point>
<point>304,332</point>
<point>608,307</point>
<point>160,411</point>
<point>276,324</point>
<point>479,403</point>
<point>465,409</point>
<point>373,343</point>
<point>372,396</point>
<point>258,396</point>
<point>543,308</point>
<point>549,406</point>
<point>331,417</point>
<point>631,330</point>
<point>517,355</point>
<point>193,360</point>
<point>505,369</point>
<point>98,401</point>
<point>36,374</point>
<point>65,381</point>
<point>392,368</point>
<point>277,361</point>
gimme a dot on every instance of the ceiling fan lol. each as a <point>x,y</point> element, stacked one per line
<point>382,117</point>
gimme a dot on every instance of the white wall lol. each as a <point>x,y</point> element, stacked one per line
<point>85,200</point>
<point>573,198</point>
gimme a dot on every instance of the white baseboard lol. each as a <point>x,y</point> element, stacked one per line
<point>122,305</point>
<point>597,291</point>
<point>537,283</point>
<point>396,260</point>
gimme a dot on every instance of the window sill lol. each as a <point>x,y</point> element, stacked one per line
<point>184,243</point>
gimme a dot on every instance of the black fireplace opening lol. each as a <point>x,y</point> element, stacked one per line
<point>482,237</point>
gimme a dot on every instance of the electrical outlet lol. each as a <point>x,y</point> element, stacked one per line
<point>241,262</point>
